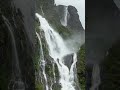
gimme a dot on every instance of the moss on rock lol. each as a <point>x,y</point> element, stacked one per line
<point>81,67</point>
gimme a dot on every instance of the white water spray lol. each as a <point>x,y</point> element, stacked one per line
<point>58,50</point>
<point>42,61</point>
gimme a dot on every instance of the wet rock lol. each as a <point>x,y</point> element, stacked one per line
<point>22,24</point>
<point>56,86</point>
<point>68,60</point>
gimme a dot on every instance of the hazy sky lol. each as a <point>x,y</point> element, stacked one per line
<point>78,4</point>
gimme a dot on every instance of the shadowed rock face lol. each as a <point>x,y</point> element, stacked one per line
<point>68,60</point>
<point>117,2</point>
<point>27,9</point>
<point>111,67</point>
<point>102,31</point>
<point>17,36</point>
<point>54,13</point>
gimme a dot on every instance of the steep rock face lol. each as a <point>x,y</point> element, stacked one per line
<point>54,13</point>
<point>17,35</point>
<point>117,2</point>
<point>73,21</point>
<point>68,60</point>
<point>27,9</point>
<point>102,31</point>
<point>5,58</point>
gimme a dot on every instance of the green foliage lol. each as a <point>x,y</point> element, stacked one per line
<point>36,62</point>
<point>56,87</point>
<point>39,86</point>
<point>81,67</point>
<point>49,70</point>
<point>111,69</point>
<point>36,56</point>
<point>64,32</point>
<point>52,17</point>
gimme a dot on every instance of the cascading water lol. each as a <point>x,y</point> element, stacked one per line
<point>78,4</point>
<point>42,63</point>
<point>58,50</point>
<point>64,20</point>
<point>16,82</point>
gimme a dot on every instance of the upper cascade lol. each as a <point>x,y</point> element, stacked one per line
<point>78,4</point>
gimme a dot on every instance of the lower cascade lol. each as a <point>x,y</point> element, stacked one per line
<point>58,51</point>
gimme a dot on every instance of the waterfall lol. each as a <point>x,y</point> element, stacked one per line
<point>16,82</point>
<point>42,61</point>
<point>58,50</point>
<point>78,4</point>
<point>64,19</point>
<point>95,77</point>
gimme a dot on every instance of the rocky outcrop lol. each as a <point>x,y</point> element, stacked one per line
<point>68,60</point>
<point>73,21</point>
<point>17,28</point>
<point>102,31</point>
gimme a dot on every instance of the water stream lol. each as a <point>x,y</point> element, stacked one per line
<point>42,60</point>
<point>64,20</point>
<point>58,50</point>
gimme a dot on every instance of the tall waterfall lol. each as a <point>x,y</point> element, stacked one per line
<point>78,4</point>
<point>58,50</point>
<point>64,20</point>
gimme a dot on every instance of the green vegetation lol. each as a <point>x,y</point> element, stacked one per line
<point>37,49</point>
<point>65,33</point>
<point>81,67</point>
<point>36,58</point>
<point>111,69</point>
<point>39,86</point>
<point>36,62</point>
